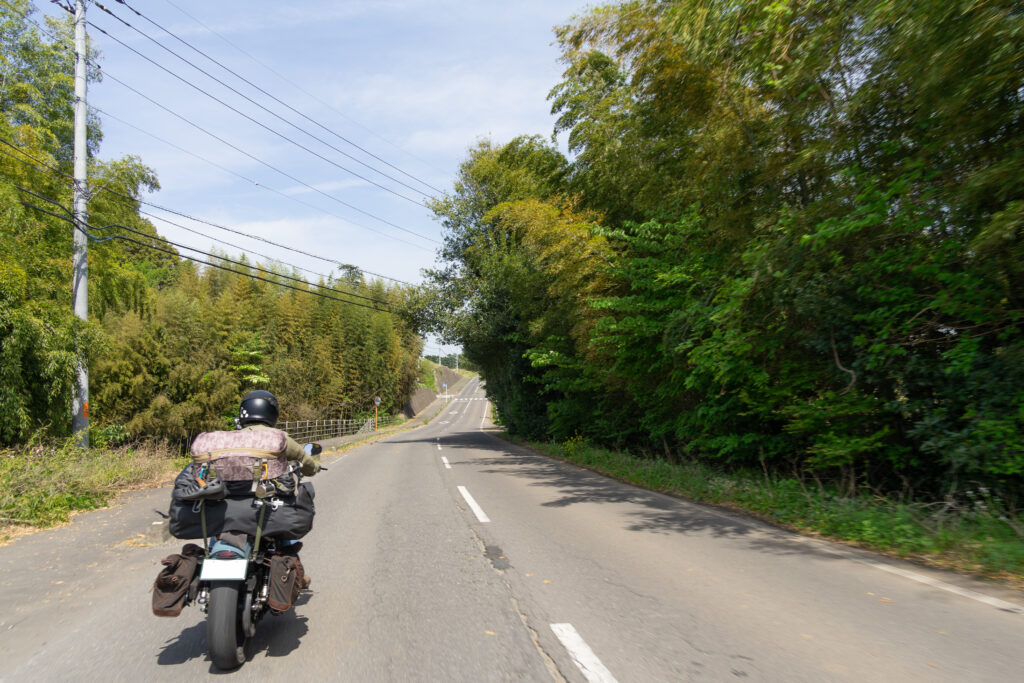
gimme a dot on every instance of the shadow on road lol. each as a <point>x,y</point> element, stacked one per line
<point>279,636</point>
<point>276,636</point>
<point>189,644</point>
<point>649,511</point>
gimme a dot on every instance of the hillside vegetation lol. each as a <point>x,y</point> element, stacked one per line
<point>171,345</point>
<point>788,240</point>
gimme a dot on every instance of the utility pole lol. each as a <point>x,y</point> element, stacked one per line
<point>80,259</point>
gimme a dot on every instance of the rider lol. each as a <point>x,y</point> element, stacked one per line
<point>259,410</point>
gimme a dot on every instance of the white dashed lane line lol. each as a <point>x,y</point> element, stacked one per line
<point>591,667</point>
<point>447,465</point>
<point>477,510</point>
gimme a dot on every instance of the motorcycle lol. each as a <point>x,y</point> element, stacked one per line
<point>232,584</point>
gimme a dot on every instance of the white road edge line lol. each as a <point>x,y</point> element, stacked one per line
<point>447,465</point>
<point>591,667</point>
<point>826,546</point>
<point>484,418</point>
<point>477,510</point>
<point>935,583</point>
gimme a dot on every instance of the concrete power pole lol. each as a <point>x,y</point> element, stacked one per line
<point>80,259</point>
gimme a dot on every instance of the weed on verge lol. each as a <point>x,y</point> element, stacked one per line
<point>44,482</point>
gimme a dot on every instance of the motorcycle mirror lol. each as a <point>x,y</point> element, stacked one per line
<point>313,449</point>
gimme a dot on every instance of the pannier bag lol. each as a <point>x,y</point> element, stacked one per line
<point>286,579</point>
<point>286,517</point>
<point>177,582</point>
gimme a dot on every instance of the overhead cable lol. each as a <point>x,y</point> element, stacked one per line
<point>222,258</point>
<point>250,118</point>
<point>312,96</point>
<point>333,198</point>
<point>42,165</point>
<point>276,99</point>
<point>256,183</point>
<point>343,266</point>
<point>267,187</point>
<point>85,229</point>
<point>170,111</point>
<point>66,7</point>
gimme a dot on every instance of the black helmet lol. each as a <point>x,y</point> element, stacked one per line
<point>258,407</point>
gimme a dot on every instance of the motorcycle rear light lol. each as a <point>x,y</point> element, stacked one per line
<point>226,555</point>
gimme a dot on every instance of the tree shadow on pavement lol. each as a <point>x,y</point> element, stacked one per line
<point>649,511</point>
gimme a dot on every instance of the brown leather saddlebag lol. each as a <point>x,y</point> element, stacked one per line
<point>286,576</point>
<point>171,589</point>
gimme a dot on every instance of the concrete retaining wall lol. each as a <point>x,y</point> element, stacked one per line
<point>423,397</point>
<point>420,399</point>
<point>448,376</point>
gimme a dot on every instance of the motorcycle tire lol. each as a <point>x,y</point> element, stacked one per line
<point>225,637</point>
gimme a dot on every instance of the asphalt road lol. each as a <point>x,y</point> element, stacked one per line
<point>446,554</point>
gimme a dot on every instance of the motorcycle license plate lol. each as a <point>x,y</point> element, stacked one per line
<point>223,570</point>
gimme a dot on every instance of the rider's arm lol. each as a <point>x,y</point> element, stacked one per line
<point>308,465</point>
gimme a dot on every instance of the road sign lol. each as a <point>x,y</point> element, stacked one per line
<point>376,401</point>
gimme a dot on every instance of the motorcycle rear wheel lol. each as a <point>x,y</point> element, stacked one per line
<point>225,637</point>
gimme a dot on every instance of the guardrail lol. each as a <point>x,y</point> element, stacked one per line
<point>305,431</point>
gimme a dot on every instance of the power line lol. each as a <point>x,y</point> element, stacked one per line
<point>222,258</point>
<point>270,258</point>
<point>236,246</point>
<point>270,166</point>
<point>63,6</point>
<point>254,102</point>
<point>250,118</point>
<point>42,165</point>
<point>86,228</point>
<point>279,101</point>
<point>248,180</point>
<point>255,237</point>
<point>170,111</point>
<point>254,182</point>
<point>317,99</point>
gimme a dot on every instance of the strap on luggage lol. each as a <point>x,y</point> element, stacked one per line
<point>259,530</point>
<point>202,520</point>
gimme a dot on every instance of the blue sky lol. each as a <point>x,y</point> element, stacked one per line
<point>414,82</point>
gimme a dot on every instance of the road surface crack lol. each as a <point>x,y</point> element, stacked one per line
<point>493,553</point>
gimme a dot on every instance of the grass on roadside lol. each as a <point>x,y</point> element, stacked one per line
<point>976,534</point>
<point>427,375</point>
<point>43,483</point>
